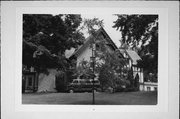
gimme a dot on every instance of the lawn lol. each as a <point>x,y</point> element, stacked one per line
<point>121,98</point>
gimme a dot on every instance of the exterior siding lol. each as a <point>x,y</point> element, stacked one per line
<point>138,71</point>
<point>148,86</point>
<point>84,55</point>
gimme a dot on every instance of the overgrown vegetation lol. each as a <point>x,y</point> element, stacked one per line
<point>47,37</point>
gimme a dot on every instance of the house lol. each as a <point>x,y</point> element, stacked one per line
<point>150,82</point>
<point>149,86</point>
<point>132,61</point>
<point>38,82</point>
<point>84,52</point>
<point>29,80</point>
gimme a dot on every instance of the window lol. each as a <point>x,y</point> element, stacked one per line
<point>97,47</point>
<point>148,88</point>
<point>155,88</point>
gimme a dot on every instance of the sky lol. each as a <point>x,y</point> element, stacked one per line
<point>108,20</point>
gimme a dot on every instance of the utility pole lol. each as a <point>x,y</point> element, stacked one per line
<point>93,62</point>
<point>93,68</point>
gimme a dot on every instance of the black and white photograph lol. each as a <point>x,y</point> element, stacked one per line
<point>89,60</point>
<point>86,59</point>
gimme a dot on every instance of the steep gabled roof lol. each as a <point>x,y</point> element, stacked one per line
<point>89,40</point>
<point>133,56</point>
<point>108,38</point>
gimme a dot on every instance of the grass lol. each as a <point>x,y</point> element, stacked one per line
<point>122,98</point>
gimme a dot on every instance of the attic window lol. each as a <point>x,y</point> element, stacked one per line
<point>97,47</point>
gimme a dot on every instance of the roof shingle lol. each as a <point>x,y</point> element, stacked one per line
<point>134,56</point>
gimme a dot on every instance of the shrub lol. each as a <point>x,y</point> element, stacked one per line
<point>61,82</point>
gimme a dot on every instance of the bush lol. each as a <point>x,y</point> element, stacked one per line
<point>130,89</point>
<point>119,89</point>
<point>60,82</point>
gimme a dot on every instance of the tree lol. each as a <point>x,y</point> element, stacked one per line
<point>84,70</point>
<point>140,32</point>
<point>110,70</point>
<point>47,37</point>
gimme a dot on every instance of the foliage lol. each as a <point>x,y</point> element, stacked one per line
<point>92,25</point>
<point>105,76</point>
<point>130,78</point>
<point>85,67</point>
<point>140,32</point>
<point>109,67</point>
<point>60,81</point>
<point>47,37</point>
<point>84,70</point>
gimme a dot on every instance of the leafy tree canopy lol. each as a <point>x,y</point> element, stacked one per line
<point>47,37</point>
<point>92,25</point>
<point>140,32</point>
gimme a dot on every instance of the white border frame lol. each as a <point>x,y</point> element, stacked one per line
<point>165,85</point>
<point>163,53</point>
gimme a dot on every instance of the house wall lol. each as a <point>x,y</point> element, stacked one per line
<point>30,82</point>
<point>87,53</point>
<point>141,76</point>
<point>84,55</point>
<point>148,86</point>
<point>46,83</point>
<point>136,70</point>
<point>139,71</point>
